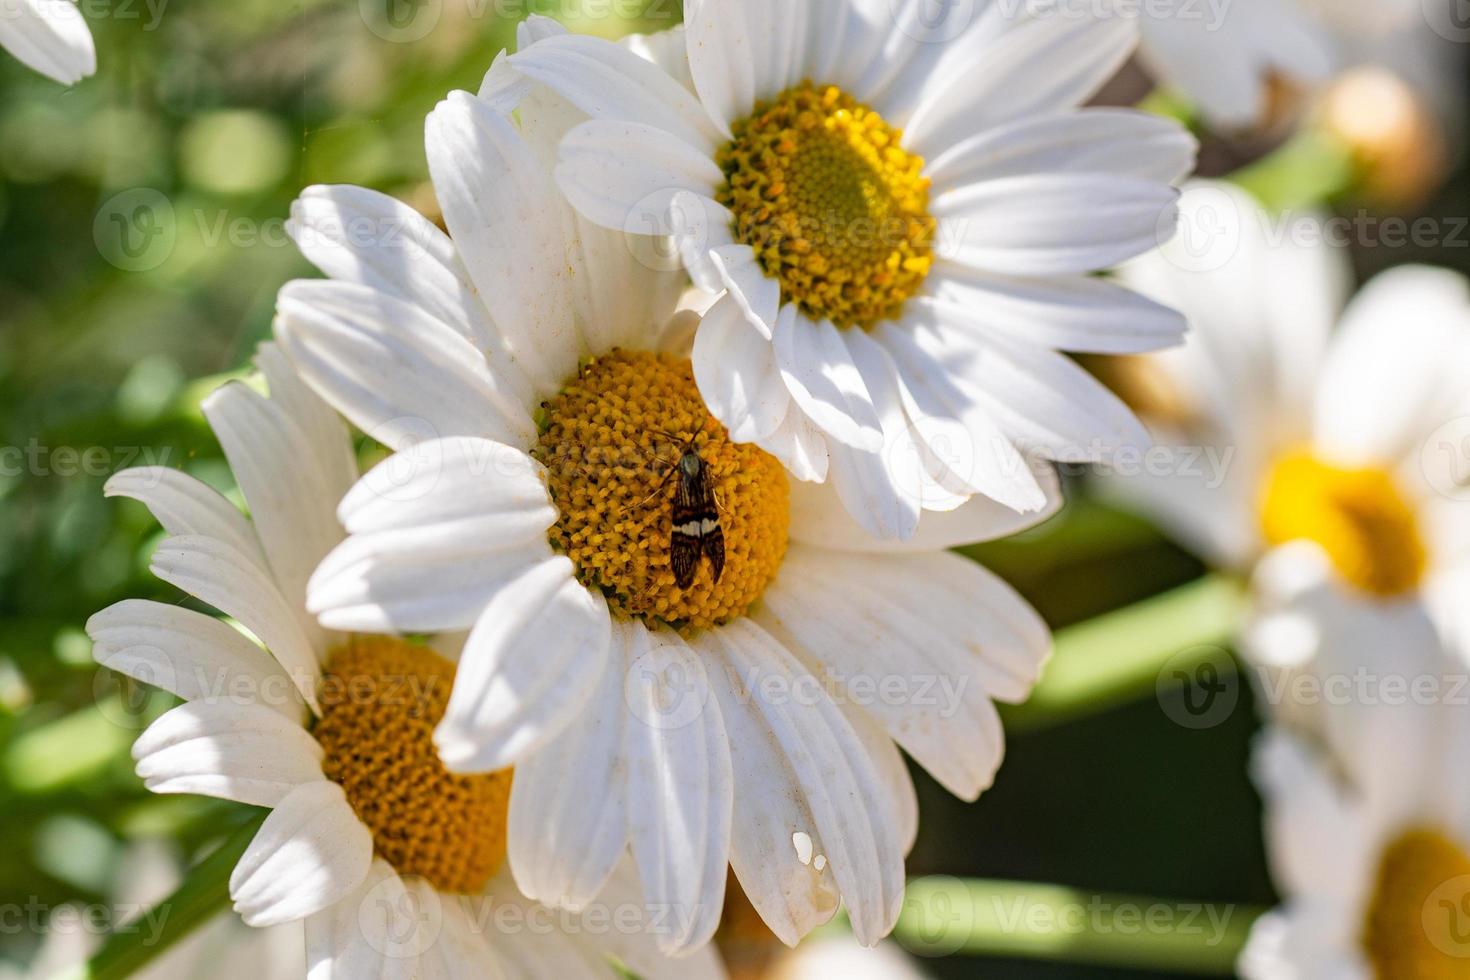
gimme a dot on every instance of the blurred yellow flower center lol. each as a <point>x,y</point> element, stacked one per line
<point>1415,928</point>
<point>381,699</point>
<point>1359,516</point>
<point>833,205</point>
<point>628,444</point>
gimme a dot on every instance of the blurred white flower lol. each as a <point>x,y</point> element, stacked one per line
<point>1368,834</point>
<point>1329,464</point>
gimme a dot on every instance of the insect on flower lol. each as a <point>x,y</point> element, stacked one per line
<point>696,530</point>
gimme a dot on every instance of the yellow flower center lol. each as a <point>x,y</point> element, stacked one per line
<point>833,205</point>
<point>1417,926</point>
<point>1358,516</point>
<point>643,476</point>
<point>381,699</point>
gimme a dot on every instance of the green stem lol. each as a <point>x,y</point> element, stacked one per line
<point>1117,658</point>
<point>204,893</point>
<point>947,916</point>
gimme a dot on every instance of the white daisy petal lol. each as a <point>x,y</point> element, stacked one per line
<point>531,663</point>
<point>242,752</point>
<point>613,171</point>
<point>433,538</point>
<point>893,771</point>
<point>884,491</point>
<point>354,937</point>
<point>186,506</point>
<point>805,827</point>
<point>843,37</point>
<point>216,573</point>
<point>723,41</point>
<point>1037,397</point>
<point>963,634</point>
<point>577,953</point>
<point>1053,224</point>
<point>361,236</point>
<point>664,48</point>
<point>449,480</point>
<point>568,806</point>
<point>638,946</point>
<point>325,431</point>
<point>818,519</point>
<point>988,462</point>
<point>310,852</point>
<point>396,371</point>
<point>418,581</point>
<point>1397,369</point>
<point>822,378</point>
<point>800,446</point>
<point>699,226</point>
<point>189,654</point>
<point>460,950</point>
<point>296,518</point>
<point>1097,141</point>
<point>607,81</point>
<point>680,791</point>
<point>735,368</point>
<point>506,217</point>
<point>1048,64</point>
<point>1313,830</point>
<point>1072,313</point>
<point>758,295</point>
<point>49,37</point>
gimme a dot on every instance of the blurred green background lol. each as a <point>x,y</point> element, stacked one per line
<point>141,247</point>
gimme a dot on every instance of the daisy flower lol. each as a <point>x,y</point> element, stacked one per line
<point>49,36</point>
<point>1369,839</point>
<point>683,654</point>
<point>1225,58</point>
<point>903,206</point>
<point>391,862</point>
<point>1328,464</point>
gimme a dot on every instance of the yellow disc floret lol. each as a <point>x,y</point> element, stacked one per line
<point>833,205</point>
<point>381,698</point>
<point>1359,517</point>
<point>613,442</point>
<point>1412,930</point>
